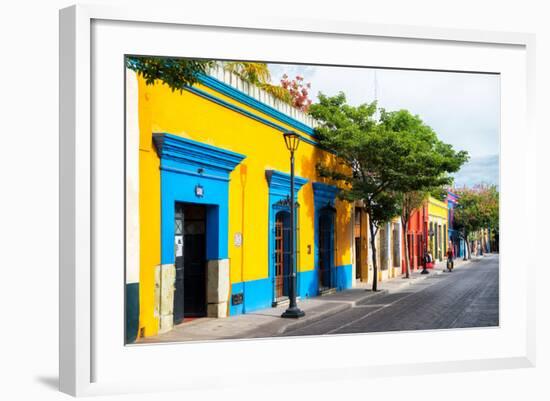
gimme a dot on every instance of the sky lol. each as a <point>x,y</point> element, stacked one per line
<point>462,108</point>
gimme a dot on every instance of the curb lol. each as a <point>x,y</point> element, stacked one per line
<point>344,305</point>
<point>350,304</point>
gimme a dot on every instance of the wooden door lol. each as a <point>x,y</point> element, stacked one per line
<point>279,255</point>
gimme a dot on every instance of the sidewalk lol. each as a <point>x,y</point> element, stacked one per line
<point>267,322</point>
<point>399,283</point>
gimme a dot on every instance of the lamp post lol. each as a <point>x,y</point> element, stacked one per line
<point>292,140</point>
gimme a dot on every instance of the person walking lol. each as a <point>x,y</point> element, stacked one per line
<point>450,259</point>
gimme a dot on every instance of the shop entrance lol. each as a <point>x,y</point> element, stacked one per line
<point>190,261</point>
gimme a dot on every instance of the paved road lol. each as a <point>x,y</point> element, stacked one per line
<point>467,297</point>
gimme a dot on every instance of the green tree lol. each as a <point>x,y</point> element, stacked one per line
<point>383,160</point>
<point>477,208</point>
<point>177,73</point>
<point>424,163</point>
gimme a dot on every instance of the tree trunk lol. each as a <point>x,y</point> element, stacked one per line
<point>468,252</point>
<point>481,243</point>
<point>466,246</point>
<point>407,261</point>
<point>374,264</point>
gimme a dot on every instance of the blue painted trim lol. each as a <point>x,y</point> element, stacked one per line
<point>308,283</point>
<point>256,295</point>
<point>248,100</point>
<point>186,151</point>
<point>324,195</point>
<point>253,116</point>
<point>193,173</point>
<point>184,164</point>
<point>343,277</point>
<point>279,183</point>
<point>279,190</point>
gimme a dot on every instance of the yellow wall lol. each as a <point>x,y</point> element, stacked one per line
<point>438,214</point>
<point>190,116</point>
<point>365,262</point>
<point>437,208</point>
<point>149,215</point>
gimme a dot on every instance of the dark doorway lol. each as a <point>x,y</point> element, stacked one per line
<point>282,253</point>
<point>325,249</point>
<point>190,257</point>
<point>358,258</point>
<point>419,250</point>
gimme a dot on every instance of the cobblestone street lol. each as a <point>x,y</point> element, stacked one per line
<point>464,298</point>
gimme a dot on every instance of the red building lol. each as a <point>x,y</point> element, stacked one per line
<point>417,231</point>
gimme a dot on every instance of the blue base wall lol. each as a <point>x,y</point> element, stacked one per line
<point>343,277</point>
<point>258,294</point>
<point>308,283</point>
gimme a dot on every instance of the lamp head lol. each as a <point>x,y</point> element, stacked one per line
<point>292,139</point>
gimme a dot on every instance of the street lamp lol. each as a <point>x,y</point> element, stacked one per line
<point>292,140</point>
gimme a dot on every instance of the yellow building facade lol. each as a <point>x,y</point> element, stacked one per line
<point>214,204</point>
<point>438,232</point>
<point>389,247</point>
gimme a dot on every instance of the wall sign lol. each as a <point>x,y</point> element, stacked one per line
<point>199,191</point>
<point>178,245</point>
<point>237,299</point>
<point>238,239</point>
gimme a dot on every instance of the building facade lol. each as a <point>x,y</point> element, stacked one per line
<point>455,238</point>
<point>389,248</point>
<point>417,232</point>
<point>211,188</point>
<point>438,237</point>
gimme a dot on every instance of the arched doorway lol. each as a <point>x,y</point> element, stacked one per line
<point>282,253</point>
<point>325,247</point>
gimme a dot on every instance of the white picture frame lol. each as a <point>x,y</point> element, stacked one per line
<point>83,352</point>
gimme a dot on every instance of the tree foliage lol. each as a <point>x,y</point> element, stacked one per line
<point>477,208</point>
<point>254,73</point>
<point>177,73</point>
<point>298,92</point>
<point>425,163</point>
<point>385,159</point>
<point>258,74</point>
